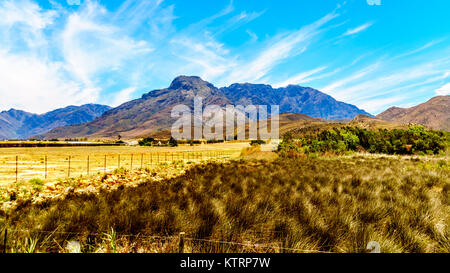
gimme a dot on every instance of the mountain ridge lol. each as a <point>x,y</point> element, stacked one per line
<point>292,99</point>
<point>433,113</point>
<point>151,113</point>
<point>18,124</point>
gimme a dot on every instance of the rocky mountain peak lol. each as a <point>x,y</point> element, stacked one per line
<point>189,82</point>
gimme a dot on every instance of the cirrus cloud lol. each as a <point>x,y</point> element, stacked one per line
<point>444,90</point>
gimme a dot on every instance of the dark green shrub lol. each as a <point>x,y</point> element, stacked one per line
<point>257,142</point>
<point>148,141</point>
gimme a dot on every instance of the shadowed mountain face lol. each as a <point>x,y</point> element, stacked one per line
<point>292,99</point>
<point>16,124</point>
<point>147,115</point>
<point>434,114</point>
<point>152,113</point>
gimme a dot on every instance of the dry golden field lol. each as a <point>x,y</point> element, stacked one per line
<point>53,162</point>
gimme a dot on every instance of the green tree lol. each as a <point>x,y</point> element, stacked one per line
<point>173,142</point>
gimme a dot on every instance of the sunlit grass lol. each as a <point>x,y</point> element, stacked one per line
<point>37,162</point>
<point>285,205</point>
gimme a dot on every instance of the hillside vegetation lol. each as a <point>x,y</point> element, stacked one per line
<point>415,140</point>
<point>287,205</point>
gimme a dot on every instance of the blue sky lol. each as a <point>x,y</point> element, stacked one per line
<point>58,53</point>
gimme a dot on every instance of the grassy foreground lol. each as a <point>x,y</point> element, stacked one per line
<point>287,205</point>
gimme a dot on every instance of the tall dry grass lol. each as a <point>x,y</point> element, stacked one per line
<point>285,205</point>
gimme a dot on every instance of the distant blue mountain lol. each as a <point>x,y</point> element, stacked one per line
<point>292,99</point>
<point>17,124</point>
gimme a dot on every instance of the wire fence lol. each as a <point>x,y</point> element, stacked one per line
<point>19,168</point>
<point>181,243</point>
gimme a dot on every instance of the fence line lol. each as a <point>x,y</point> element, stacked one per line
<point>74,163</point>
<point>181,237</point>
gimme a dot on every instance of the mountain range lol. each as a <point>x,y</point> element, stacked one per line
<point>150,114</point>
<point>17,124</point>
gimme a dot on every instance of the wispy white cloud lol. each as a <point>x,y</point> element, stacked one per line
<point>202,24</point>
<point>91,44</point>
<point>278,49</point>
<point>25,12</point>
<point>334,87</point>
<point>91,50</point>
<point>252,35</point>
<point>376,86</point>
<point>420,49</point>
<point>444,90</point>
<point>300,78</point>
<point>237,21</point>
<point>29,79</point>
<point>35,85</point>
<point>358,29</point>
<point>50,55</point>
<point>22,23</point>
<point>206,58</point>
<point>374,105</point>
<point>123,96</point>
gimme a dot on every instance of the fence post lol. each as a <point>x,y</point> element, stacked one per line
<point>88,166</point>
<point>104,171</point>
<point>68,171</point>
<point>5,241</point>
<point>142,161</point>
<point>181,243</point>
<point>131,168</point>
<point>118,161</point>
<point>17,168</point>
<point>45,167</point>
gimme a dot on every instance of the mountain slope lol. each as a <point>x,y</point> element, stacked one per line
<point>292,99</point>
<point>147,115</point>
<point>17,124</point>
<point>11,121</point>
<point>150,115</point>
<point>434,114</point>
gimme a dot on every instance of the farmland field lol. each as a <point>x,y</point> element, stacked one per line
<point>53,162</point>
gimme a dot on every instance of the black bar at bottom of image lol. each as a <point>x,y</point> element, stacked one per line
<point>228,262</point>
